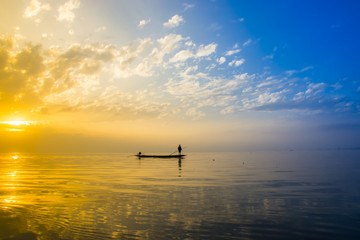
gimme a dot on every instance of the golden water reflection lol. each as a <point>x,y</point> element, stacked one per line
<point>201,196</point>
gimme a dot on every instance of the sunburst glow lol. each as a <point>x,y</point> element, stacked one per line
<point>18,123</point>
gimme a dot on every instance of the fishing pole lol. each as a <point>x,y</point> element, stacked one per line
<point>173,153</point>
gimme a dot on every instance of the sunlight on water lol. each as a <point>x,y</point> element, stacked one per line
<point>261,195</point>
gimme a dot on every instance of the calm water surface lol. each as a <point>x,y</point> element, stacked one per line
<point>258,195</point>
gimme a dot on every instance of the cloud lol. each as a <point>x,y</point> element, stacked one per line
<point>21,76</point>
<point>195,114</point>
<point>336,86</point>
<point>232,52</point>
<point>236,63</point>
<point>142,23</point>
<point>132,59</point>
<point>221,60</point>
<point>197,91</point>
<point>34,8</point>
<point>202,51</point>
<point>169,43</point>
<point>315,89</point>
<point>188,6</point>
<point>174,21</point>
<point>165,46</point>
<point>182,56</point>
<point>87,78</point>
<point>292,72</point>
<point>201,92</point>
<point>206,50</point>
<point>66,11</point>
<point>142,56</point>
<point>247,42</point>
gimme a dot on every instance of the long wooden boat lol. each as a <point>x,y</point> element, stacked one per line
<point>160,156</point>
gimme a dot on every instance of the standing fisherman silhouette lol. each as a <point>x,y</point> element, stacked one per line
<point>179,149</point>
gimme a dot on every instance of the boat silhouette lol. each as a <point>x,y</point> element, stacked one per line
<point>160,156</point>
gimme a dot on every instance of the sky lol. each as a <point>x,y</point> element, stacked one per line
<point>128,76</point>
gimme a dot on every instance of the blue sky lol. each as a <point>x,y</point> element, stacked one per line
<point>219,75</point>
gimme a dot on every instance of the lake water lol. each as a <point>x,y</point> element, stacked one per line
<point>246,195</point>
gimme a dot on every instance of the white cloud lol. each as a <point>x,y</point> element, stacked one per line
<point>236,63</point>
<point>198,91</point>
<point>182,56</point>
<point>190,69</point>
<point>202,51</point>
<point>132,59</point>
<point>210,67</point>
<point>169,43</point>
<point>166,45</point>
<point>34,8</point>
<point>221,60</point>
<point>247,42</point>
<point>206,50</point>
<point>314,89</point>
<point>174,21</point>
<point>245,77</point>
<point>66,10</point>
<point>231,52</point>
<point>267,97</point>
<point>292,72</point>
<point>190,44</point>
<point>142,23</point>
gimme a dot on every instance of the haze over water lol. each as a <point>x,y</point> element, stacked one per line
<point>244,195</point>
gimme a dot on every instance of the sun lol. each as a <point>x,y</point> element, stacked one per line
<point>17,123</point>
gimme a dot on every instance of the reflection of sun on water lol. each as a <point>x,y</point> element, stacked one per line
<point>13,174</point>
<point>8,179</point>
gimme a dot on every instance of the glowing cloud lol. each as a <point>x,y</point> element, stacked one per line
<point>34,8</point>
<point>66,10</point>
